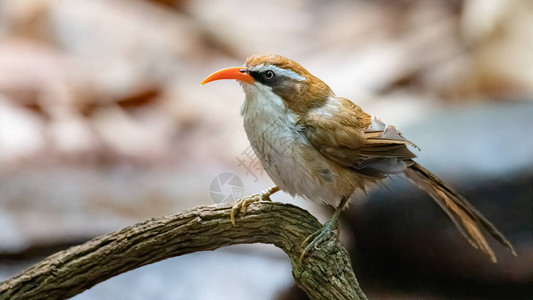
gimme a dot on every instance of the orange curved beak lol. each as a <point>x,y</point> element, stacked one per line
<point>238,73</point>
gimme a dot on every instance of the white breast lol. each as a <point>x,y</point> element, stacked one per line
<point>284,152</point>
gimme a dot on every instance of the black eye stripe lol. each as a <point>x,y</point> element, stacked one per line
<point>267,77</point>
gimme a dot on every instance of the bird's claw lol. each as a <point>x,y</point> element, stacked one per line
<point>317,237</point>
<point>241,205</point>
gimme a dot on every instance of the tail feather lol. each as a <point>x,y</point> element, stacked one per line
<point>465,216</point>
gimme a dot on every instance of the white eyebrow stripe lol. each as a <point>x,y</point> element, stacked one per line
<point>278,71</point>
<point>287,73</point>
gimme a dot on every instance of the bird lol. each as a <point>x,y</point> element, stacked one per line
<point>322,147</point>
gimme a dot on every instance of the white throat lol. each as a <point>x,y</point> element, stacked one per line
<point>261,101</point>
<point>266,119</point>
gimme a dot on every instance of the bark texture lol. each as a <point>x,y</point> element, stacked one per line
<point>326,273</point>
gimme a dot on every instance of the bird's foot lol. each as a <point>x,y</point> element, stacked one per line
<point>318,237</point>
<point>242,204</point>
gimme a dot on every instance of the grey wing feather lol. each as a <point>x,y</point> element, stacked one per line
<point>380,132</point>
<point>386,150</point>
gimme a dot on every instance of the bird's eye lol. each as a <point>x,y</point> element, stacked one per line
<point>269,74</point>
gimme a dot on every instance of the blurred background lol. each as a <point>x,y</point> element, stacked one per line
<point>103,124</point>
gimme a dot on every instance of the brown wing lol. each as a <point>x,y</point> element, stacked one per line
<point>355,140</point>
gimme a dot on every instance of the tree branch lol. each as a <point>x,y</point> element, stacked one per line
<point>326,273</point>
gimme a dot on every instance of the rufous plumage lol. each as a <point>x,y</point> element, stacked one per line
<point>322,147</point>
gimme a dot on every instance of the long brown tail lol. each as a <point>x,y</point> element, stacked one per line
<point>465,216</point>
